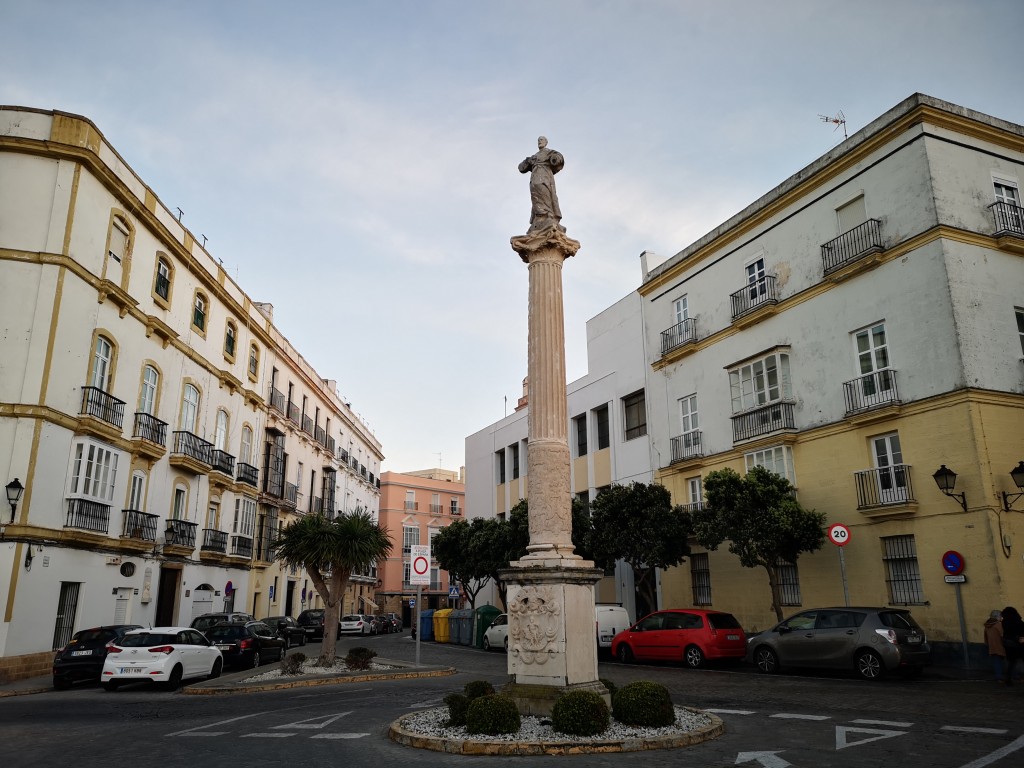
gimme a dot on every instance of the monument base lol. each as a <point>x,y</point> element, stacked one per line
<point>552,648</point>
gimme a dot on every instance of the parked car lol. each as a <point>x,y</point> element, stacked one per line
<point>82,658</point>
<point>247,645</point>
<point>355,624</point>
<point>166,655</point>
<point>312,620</point>
<point>690,635</point>
<point>871,641</point>
<point>288,629</point>
<point>609,620</point>
<point>496,635</point>
<point>383,623</point>
<point>204,621</point>
<point>396,621</point>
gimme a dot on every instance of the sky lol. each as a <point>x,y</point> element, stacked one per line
<point>355,163</point>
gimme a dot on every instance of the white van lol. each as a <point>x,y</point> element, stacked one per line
<point>609,621</point>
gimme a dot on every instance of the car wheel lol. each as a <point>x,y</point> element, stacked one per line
<point>109,685</point>
<point>215,672</point>
<point>255,659</point>
<point>61,683</point>
<point>766,660</point>
<point>624,653</point>
<point>282,654</point>
<point>302,640</point>
<point>506,643</point>
<point>869,665</point>
<point>174,681</point>
<point>487,643</point>
<point>693,656</point>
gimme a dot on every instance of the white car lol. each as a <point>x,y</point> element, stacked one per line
<point>354,624</point>
<point>496,635</point>
<point>162,654</point>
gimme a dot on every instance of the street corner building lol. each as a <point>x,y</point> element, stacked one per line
<point>161,426</point>
<point>856,329</point>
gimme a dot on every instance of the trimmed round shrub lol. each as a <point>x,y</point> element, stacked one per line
<point>359,658</point>
<point>474,689</point>
<point>292,663</point>
<point>580,713</point>
<point>643,703</point>
<point>457,708</point>
<point>609,686</point>
<point>493,714</point>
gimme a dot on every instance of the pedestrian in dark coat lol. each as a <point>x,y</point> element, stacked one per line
<point>1013,640</point>
<point>994,641</point>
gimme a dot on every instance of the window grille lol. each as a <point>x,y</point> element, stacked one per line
<point>700,577</point>
<point>903,574</point>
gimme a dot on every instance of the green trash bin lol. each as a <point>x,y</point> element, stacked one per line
<point>442,628</point>
<point>483,617</point>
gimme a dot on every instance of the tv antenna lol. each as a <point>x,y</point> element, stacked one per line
<point>838,120</point>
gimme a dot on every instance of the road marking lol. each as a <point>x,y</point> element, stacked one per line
<point>339,736</point>
<point>203,733</point>
<point>211,725</point>
<point>266,735</point>
<point>766,759</point>
<point>874,735</point>
<point>787,716</point>
<point>999,754</point>
<point>891,723</point>
<point>314,722</point>
<point>966,729</point>
<point>731,711</point>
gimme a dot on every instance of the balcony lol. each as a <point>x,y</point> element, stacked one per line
<point>241,546</point>
<point>678,335</point>
<point>149,436</point>
<point>881,490</point>
<point>293,413</point>
<point>456,511</point>
<point>247,474</point>
<point>99,405</point>
<point>329,444</point>
<point>1009,226</point>
<point>139,526</point>
<point>686,446</point>
<point>307,425</point>
<point>316,505</point>
<point>291,494</point>
<point>277,400</point>
<point>265,551</point>
<point>436,509</point>
<point>344,457</point>
<point>875,390</point>
<point>214,541</point>
<point>762,421</point>
<point>86,515</point>
<point>191,453</point>
<point>320,435</point>
<point>853,246</point>
<point>696,506</point>
<point>412,506</point>
<point>180,534</point>
<point>222,462</point>
<point>758,295</point>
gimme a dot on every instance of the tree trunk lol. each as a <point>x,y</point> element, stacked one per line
<point>773,582</point>
<point>332,595</point>
<point>645,585</point>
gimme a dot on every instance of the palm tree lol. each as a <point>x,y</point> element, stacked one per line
<point>330,550</point>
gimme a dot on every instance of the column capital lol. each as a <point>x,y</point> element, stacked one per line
<point>550,239</point>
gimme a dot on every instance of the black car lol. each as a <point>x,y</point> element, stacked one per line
<point>312,621</point>
<point>204,621</point>
<point>246,645</point>
<point>82,658</point>
<point>287,628</point>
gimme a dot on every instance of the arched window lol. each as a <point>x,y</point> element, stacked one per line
<point>163,281</point>
<point>102,364</point>
<point>245,454</point>
<point>254,361</point>
<point>147,394</point>
<point>189,408</point>
<point>137,500</point>
<point>118,240</point>
<point>230,339</point>
<point>220,436</point>
<point>200,307</point>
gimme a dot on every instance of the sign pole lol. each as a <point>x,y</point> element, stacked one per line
<point>842,570</point>
<point>963,625</point>
<point>419,607</point>
<point>839,535</point>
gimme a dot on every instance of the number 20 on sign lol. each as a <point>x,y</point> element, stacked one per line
<point>839,535</point>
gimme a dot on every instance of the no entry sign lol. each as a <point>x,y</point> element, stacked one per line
<point>419,565</point>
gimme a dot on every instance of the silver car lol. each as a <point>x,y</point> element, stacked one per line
<point>871,641</point>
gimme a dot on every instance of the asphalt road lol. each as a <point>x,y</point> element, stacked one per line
<point>772,721</point>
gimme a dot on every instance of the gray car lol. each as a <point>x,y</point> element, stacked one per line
<point>871,641</point>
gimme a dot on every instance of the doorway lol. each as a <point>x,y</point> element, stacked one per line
<point>167,596</point>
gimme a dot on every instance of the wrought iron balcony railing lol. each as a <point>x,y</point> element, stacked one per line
<point>247,474</point>
<point>871,391</point>
<point>456,511</point>
<point>277,400</point>
<point>436,509</point>
<point>412,506</point>
<point>307,425</point>
<point>214,541</point>
<point>696,506</point>
<point>96,402</point>
<point>316,505</point>
<point>291,493</point>
<point>181,533</point>
<point>1009,218</point>
<point>679,334</point>
<point>150,428</point>
<point>852,246</point>
<point>686,446</point>
<point>139,525</point>
<point>193,446</point>
<point>241,546</point>
<point>884,486</point>
<point>753,295</point>
<point>329,444</point>
<point>344,456</point>
<point>222,462</point>
<point>763,420</point>
<point>88,515</point>
<point>293,413</point>
<point>320,435</point>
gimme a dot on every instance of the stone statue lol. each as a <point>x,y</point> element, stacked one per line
<point>542,168</point>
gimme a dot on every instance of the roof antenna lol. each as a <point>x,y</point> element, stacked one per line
<point>839,120</point>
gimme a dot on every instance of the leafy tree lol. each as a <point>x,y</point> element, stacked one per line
<point>330,550</point>
<point>762,520</point>
<point>457,549</point>
<point>637,523</point>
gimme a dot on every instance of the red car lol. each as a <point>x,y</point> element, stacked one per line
<point>690,635</point>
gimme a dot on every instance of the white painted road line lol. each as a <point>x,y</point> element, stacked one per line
<point>966,729</point>
<point>339,736</point>
<point>890,723</point>
<point>842,733</point>
<point>202,733</point>
<point>999,754</point>
<point>266,735</point>
<point>211,725</point>
<point>731,711</point>
<point>788,716</point>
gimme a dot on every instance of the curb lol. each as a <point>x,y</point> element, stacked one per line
<point>229,688</point>
<point>25,692</point>
<point>398,733</point>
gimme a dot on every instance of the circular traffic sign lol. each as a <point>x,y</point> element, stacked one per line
<point>421,565</point>
<point>953,562</point>
<point>839,534</point>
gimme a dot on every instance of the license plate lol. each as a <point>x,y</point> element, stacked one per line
<point>129,670</point>
<point>732,637</point>
<point>224,647</point>
<point>914,639</point>
<point>81,653</point>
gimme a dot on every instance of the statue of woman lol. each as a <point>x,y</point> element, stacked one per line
<point>542,167</point>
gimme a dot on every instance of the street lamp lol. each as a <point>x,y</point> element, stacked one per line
<point>946,480</point>
<point>1017,473</point>
<point>14,491</point>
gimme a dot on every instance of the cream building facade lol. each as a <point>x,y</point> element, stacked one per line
<point>140,408</point>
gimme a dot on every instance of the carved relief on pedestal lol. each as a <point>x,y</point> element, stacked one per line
<point>534,624</point>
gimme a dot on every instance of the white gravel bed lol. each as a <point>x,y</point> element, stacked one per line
<point>312,668</point>
<point>432,723</point>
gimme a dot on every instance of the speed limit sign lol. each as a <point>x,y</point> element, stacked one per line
<point>839,534</point>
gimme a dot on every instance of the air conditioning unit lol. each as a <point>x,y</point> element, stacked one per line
<point>113,561</point>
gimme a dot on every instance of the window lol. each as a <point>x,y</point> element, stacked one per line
<point>245,454</point>
<point>102,364</point>
<point>455,505</point>
<point>147,393</point>
<point>1007,206</point>
<point>499,458</point>
<point>410,537</point>
<point>681,309</point>
<point>514,453</point>
<point>891,472</point>
<point>213,516</point>
<point>162,281</point>
<point>755,279</point>
<point>435,506</point>
<point>872,349</point>
<point>410,500</point>
<point>700,578</point>
<point>137,498</point>
<point>1006,191</point>
<point>189,408</point>
<point>230,338</point>
<point>635,415</point>
<point>688,420</point>
<point>1020,327</point>
<point>695,490</point>
<point>580,426</point>
<point>199,310</point>
<point>789,582</point>
<point>778,459</point>
<point>584,498</point>
<point>179,510</point>
<point>903,576</point>
<point>254,361</point>
<point>94,472</point>
<point>220,435</point>
<point>245,517</point>
<point>601,421</point>
<point>851,215</point>
<point>118,241</point>
<point>760,381</point>
<point>406,572</point>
